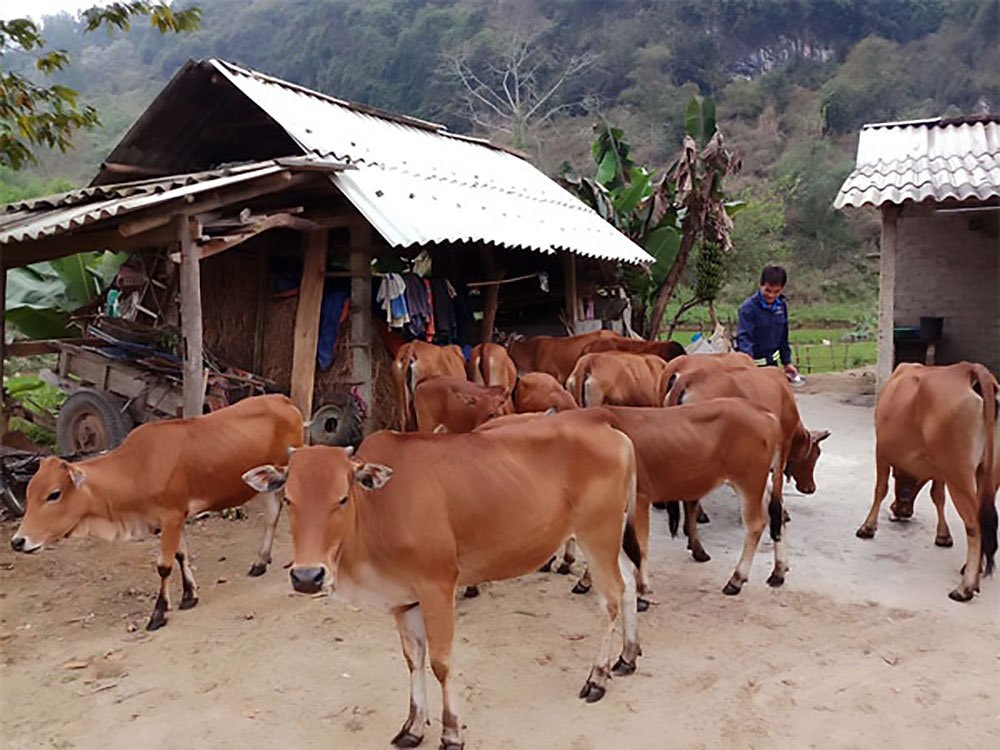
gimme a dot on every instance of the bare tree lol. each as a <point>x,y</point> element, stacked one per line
<point>513,87</point>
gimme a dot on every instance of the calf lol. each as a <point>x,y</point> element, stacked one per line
<point>617,378</point>
<point>539,391</point>
<point>455,405</point>
<point>161,474</point>
<point>939,424</point>
<point>415,362</point>
<point>414,516</point>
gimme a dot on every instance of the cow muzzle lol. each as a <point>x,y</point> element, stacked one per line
<point>23,544</point>
<point>308,580</point>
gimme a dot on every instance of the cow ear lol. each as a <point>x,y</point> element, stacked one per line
<point>78,477</point>
<point>267,478</point>
<point>819,436</point>
<point>372,476</point>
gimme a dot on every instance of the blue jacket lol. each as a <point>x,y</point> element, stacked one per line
<point>763,329</point>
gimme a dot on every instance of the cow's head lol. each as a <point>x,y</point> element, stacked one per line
<point>500,403</point>
<point>58,499</point>
<point>802,459</point>
<point>322,487</point>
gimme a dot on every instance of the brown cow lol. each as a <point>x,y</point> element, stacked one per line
<point>555,355</point>
<point>415,362</point>
<point>461,509</point>
<point>767,387</point>
<point>456,405</point>
<point>617,378</point>
<point>665,350</point>
<point>697,362</point>
<point>539,391</point>
<point>161,474</point>
<point>702,445</point>
<point>489,364</point>
<point>940,424</point>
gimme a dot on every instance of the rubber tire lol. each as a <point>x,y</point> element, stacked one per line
<point>108,408</point>
<point>11,501</point>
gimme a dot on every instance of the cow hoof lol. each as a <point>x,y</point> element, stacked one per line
<point>564,569</point>
<point>960,595</point>
<point>660,506</point>
<point>580,588</point>
<point>189,603</point>
<point>731,589</point>
<point>547,568</point>
<point>448,745</point>
<point>471,592</point>
<point>865,532</point>
<point>703,516</point>
<point>592,692</point>
<point>943,541</point>
<point>700,555</point>
<point>406,739</point>
<point>775,580</point>
<point>641,605</point>
<point>157,621</point>
<point>257,569</point>
<point>623,668</point>
<point>785,518</point>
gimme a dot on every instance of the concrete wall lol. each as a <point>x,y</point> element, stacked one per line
<point>948,265</point>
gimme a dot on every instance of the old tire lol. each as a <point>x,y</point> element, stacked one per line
<point>91,421</point>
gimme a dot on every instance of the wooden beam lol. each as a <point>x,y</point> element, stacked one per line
<point>570,290</point>
<point>132,170</point>
<point>361,316</point>
<point>306,333</point>
<point>4,418</point>
<point>33,251</point>
<point>191,329</point>
<point>886,296</point>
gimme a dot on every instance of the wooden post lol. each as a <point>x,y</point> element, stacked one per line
<point>307,320</point>
<point>491,300</point>
<point>258,338</point>
<point>570,289</point>
<point>361,317</point>
<point>3,322</point>
<point>191,328</point>
<point>886,296</point>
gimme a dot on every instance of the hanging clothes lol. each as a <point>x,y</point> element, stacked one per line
<point>445,322</point>
<point>392,298</point>
<point>418,305</point>
<point>332,312</point>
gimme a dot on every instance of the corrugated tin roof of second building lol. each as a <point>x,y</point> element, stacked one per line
<point>925,160</point>
<point>417,183</point>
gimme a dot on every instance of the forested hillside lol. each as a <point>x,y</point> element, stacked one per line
<point>793,80</point>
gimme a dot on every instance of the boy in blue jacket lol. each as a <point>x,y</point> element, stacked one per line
<point>763,328</point>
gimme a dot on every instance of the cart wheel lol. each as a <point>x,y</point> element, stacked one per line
<point>336,424</point>
<point>91,421</point>
<point>11,501</point>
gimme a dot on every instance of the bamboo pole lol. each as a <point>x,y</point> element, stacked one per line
<point>886,296</point>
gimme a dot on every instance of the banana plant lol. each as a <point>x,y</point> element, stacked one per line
<point>42,297</point>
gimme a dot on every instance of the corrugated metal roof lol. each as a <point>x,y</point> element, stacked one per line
<point>67,212</point>
<point>925,160</point>
<point>416,183</point>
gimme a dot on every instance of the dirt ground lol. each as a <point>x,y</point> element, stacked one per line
<point>861,648</point>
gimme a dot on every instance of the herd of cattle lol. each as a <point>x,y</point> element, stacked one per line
<point>502,460</point>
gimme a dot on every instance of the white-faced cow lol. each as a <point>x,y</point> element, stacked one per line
<point>161,474</point>
<point>940,424</point>
<point>414,516</point>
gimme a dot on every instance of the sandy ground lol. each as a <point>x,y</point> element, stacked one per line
<point>861,648</point>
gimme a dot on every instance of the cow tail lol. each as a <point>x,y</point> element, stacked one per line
<point>484,368</point>
<point>630,540</point>
<point>676,394</point>
<point>987,481</point>
<point>411,387</point>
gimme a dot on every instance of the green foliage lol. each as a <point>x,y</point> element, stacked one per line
<point>41,297</point>
<point>33,114</point>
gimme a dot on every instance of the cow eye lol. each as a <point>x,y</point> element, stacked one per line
<point>343,501</point>
<point>53,496</point>
<point>286,501</point>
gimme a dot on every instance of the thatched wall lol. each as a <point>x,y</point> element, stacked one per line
<point>229,290</point>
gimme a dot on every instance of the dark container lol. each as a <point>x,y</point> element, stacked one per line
<point>931,328</point>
